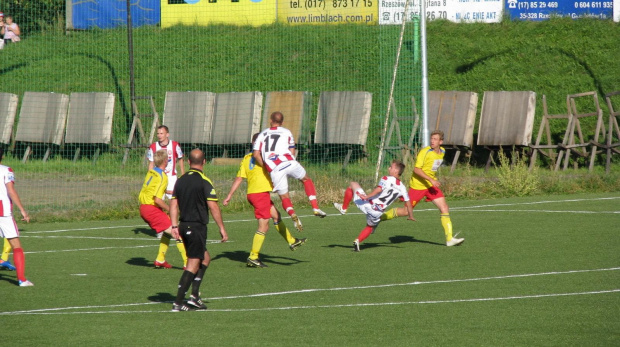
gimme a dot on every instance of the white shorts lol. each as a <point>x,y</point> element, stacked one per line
<point>281,172</point>
<point>171,181</point>
<point>8,228</point>
<point>373,217</point>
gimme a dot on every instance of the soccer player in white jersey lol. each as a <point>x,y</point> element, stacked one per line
<point>274,149</point>
<point>175,154</point>
<point>387,191</point>
<point>8,227</point>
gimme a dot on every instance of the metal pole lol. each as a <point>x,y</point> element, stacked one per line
<point>132,87</point>
<point>425,138</point>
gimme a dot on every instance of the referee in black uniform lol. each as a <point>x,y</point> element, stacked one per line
<point>194,196</point>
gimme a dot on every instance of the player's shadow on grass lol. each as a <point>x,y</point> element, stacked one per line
<point>162,297</point>
<point>242,257</point>
<point>407,238</point>
<point>7,278</point>
<point>365,245</point>
<point>145,231</point>
<point>139,262</point>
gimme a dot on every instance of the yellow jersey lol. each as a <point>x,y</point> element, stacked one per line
<point>258,178</point>
<point>154,185</point>
<point>429,161</point>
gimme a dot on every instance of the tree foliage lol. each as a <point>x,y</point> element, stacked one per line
<point>35,16</point>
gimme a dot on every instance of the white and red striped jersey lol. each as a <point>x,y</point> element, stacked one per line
<point>392,189</point>
<point>275,145</point>
<point>6,205</point>
<point>174,153</point>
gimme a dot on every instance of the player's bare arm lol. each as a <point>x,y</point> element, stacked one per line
<point>217,217</point>
<point>161,203</point>
<point>375,191</point>
<point>409,208</point>
<point>235,186</point>
<point>174,217</point>
<point>423,174</point>
<point>10,189</point>
<point>259,159</point>
<point>181,165</point>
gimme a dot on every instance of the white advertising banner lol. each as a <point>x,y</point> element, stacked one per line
<point>616,10</point>
<point>488,11</point>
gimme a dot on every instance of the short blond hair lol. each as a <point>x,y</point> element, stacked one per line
<point>438,132</point>
<point>160,157</point>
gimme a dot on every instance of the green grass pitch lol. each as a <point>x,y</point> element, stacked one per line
<point>532,271</point>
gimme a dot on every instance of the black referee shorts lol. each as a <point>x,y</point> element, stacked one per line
<point>194,236</point>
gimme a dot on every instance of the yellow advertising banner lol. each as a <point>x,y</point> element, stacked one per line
<point>328,11</point>
<point>205,12</point>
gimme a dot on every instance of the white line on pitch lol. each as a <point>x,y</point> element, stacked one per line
<point>105,248</point>
<point>303,291</point>
<point>546,211</point>
<point>374,304</point>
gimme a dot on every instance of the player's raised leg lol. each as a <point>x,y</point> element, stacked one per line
<point>4,260</point>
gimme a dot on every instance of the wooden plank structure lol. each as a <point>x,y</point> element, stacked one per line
<point>237,118</point>
<point>454,113</point>
<point>142,140</point>
<point>574,141</point>
<point>549,149</point>
<point>343,117</point>
<point>396,129</point>
<point>189,116</point>
<point>8,110</point>
<point>506,119</point>
<point>89,121</point>
<point>295,106</point>
<point>42,120</point>
<point>614,130</point>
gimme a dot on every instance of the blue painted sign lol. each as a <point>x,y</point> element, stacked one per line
<point>541,10</point>
<point>106,14</point>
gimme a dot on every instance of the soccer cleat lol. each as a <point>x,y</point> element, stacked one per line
<point>255,263</point>
<point>159,235</point>
<point>181,308</point>
<point>297,222</point>
<point>454,242</point>
<point>319,213</point>
<point>7,265</point>
<point>356,246</point>
<point>165,265</point>
<point>25,283</point>
<point>339,208</point>
<point>196,302</point>
<point>297,244</point>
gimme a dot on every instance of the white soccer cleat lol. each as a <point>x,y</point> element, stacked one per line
<point>25,283</point>
<point>455,241</point>
<point>319,213</point>
<point>297,222</point>
<point>356,246</point>
<point>339,208</point>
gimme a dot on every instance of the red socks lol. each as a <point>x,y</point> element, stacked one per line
<point>348,196</point>
<point>311,193</point>
<point>364,233</point>
<point>287,205</point>
<point>20,263</point>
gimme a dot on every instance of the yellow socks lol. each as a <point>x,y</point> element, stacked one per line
<point>181,248</point>
<point>283,230</point>
<point>163,248</point>
<point>257,243</point>
<point>391,214</point>
<point>447,225</point>
<point>6,250</point>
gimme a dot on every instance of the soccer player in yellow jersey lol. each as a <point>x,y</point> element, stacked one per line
<point>152,208</point>
<point>424,184</point>
<point>259,186</point>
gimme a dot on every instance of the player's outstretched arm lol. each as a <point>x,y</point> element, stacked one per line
<point>409,208</point>
<point>174,217</point>
<point>423,174</point>
<point>10,188</point>
<point>235,186</point>
<point>217,217</point>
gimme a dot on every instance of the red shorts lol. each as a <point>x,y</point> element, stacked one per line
<point>262,204</point>
<point>155,217</point>
<point>431,194</point>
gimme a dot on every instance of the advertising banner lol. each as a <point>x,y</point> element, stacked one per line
<point>541,10</point>
<point>205,12</point>
<point>327,11</point>
<point>488,11</point>
<point>105,14</point>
